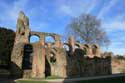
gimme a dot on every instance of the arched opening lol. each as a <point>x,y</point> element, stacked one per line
<point>94,48</point>
<point>34,38</point>
<point>87,46</point>
<point>66,47</point>
<point>76,46</point>
<point>27,58</point>
<point>85,50</point>
<point>52,58</point>
<point>49,39</point>
<point>47,67</point>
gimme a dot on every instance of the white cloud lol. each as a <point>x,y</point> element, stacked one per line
<point>117,23</point>
<point>115,47</point>
<point>75,8</point>
<point>66,9</point>
<point>17,6</point>
<point>115,26</point>
<point>106,8</point>
<point>11,10</point>
<point>92,6</point>
<point>39,26</point>
<point>117,50</point>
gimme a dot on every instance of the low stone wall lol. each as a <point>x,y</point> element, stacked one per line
<point>86,66</point>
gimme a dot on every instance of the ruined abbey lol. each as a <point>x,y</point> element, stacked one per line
<point>42,59</point>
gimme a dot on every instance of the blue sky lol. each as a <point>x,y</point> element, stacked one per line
<point>54,15</point>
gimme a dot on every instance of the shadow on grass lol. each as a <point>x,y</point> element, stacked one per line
<point>105,80</point>
<point>119,79</point>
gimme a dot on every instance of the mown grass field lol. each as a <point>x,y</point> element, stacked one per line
<point>26,81</point>
<point>104,80</point>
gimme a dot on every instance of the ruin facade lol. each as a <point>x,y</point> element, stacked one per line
<point>42,59</point>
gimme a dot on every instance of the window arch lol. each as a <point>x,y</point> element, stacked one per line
<point>76,46</point>
<point>49,39</point>
<point>34,38</point>
<point>66,47</point>
<point>28,57</point>
<point>86,45</point>
<point>52,57</point>
<point>94,49</point>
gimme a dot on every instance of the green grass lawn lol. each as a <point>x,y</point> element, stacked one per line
<point>53,77</point>
<point>47,78</point>
<point>28,81</point>
<point>104,80</point>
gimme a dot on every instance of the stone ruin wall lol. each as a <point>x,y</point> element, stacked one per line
<point>22,38</point>
<point>79,60</point>
<point>89,67</point>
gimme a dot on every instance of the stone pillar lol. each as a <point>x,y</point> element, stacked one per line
<point>42,40</point>
<point>22,29</point>
<point>49,45</point>
<point>57,41</point>
<point>38,67</point>
<point>72,43</point>
<point>22,38</point>
<point>61,45</point>
<point>90,53</point>
<point>81,46</point>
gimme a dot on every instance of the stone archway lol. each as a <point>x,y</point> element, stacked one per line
<point>77,46</point>
<point>94,48</point>
<point>50,41</point>
<point>88,50</point>
<point>66,47</point>
<point>50,60</point>
<point>47,67</point>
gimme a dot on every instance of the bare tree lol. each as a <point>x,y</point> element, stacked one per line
<point>87,29</point>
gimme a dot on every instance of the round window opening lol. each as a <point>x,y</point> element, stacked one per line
<point>34,39</point>
<point>49,39</point>
<point>52,58</point>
